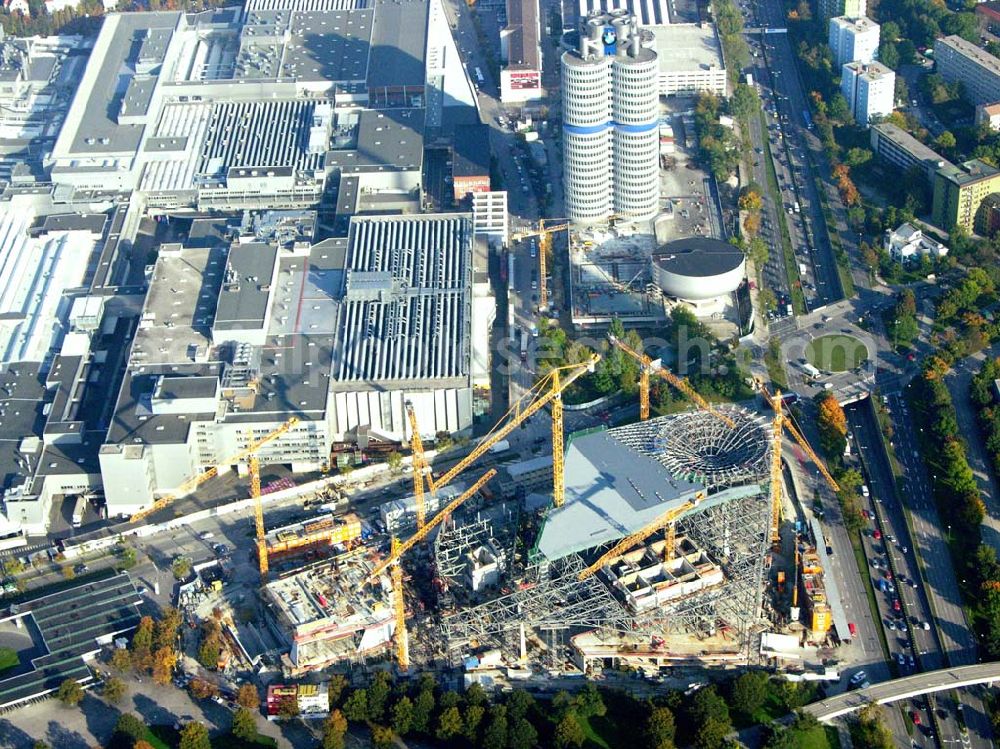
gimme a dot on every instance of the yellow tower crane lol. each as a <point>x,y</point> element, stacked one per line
<point>667,520</point>
<point>419,464</point>
<point>397,550</point>
<point>646,367</point>
<point>258,515</point>
<point>783,422</point>
<point>195,481</point>
<point>547,390</point>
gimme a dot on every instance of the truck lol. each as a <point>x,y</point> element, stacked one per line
<point>797,208</point>
<point>500,447</point>
<point>524,345</point>
<point>810,370</point>
<point>749,79</point>
<point>79,510</point>
<point>803,270</point>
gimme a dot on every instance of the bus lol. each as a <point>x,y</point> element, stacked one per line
<point>479,76</point>
<point>807,119</point>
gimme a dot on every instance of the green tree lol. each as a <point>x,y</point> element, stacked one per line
<point>868,730</point>
<point>356,707</point>
<point>856,157</point>
<point>473,718</point>
<point>244,725</point>
<point>70,693</point>
<point>759,253</point>
<point>382,737</point>
<point>495,733</point>
<point>40,745</point>
<point>449,724</point>
<point>712,733</point>
<point>744,102</point>
<point>522,734</point>
<point>337,686</point>
<point>519,704</point>
<point>423,708</point>
<point>394,460</point>
<point>660,729</point>
<point>946,140</point>
<point>194,735</point>
<point>334,731</point>
<point>126,557</point>
<point>114,690</point>
<point>166,627</point>
<point>378,694</point>
<point>128,730</point>
<point>569,733</point>
<point>248,697</point>
<point>181,568</point>
<point>209,652</point>
<point>749,690</point>
<point>402,716</point>
<point>589,702</point>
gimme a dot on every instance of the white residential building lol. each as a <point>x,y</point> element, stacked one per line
<point>853,39</point>
<point>908,242</point>
<point>870,90</point>
<point>989,115</point>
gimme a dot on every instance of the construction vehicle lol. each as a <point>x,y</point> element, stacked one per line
<point>397,550</point>
<point>547,390</point>
<point>648,366</point>
<point>195,481</point>
<point>783,422</point>
<point>667,520</point>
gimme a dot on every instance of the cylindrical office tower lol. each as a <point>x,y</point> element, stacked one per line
<point>635,138</point>
<point>587,129</point>
<point>610,116</point>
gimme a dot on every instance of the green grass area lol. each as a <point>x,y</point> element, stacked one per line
<point>8,659</point>
<point>600,732</point>
<point>791,267</point>
<point>228,741</point>
<point>832,737</point>
<point>836,352</point>
<point>162,737</point>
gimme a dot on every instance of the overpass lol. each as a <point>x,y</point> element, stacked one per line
<point>901,689</point>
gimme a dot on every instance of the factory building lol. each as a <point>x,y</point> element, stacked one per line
<point>610,120</point>
<point>961,61</point>
<point>698,269</point>
<point>327,614</point>
<point>870,90</point>
<point>521,72</point>
<point>853,40</point>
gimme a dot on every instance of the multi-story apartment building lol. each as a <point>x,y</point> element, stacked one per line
<point>976,69</point>
<point>870,90</point>
<point>960,190</point>
<point>849,8</point>
<point>898,147</point>
<point>853,39</point>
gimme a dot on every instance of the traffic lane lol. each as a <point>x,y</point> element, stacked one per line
<point>915,605</point>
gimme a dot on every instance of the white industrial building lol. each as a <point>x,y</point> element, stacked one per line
<point>853,40</point>
<point>698,269</point>
<point>521,72</point>
<point>610,121</point>
<point>870,90</point>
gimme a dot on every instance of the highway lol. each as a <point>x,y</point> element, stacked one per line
<point>890,691</point>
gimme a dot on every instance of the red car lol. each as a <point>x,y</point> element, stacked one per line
<point>895,605</point>
<point>915,716</point>
<point>877,534</point>
<point>853,629</point>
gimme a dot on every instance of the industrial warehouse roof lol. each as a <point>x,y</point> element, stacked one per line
<point>407,296</point>
<point>471,156</point>
<point>699,257</point>
<point>687,46</point>
<point>68,627</point>
<point>399,38</point>
<point>383,140</point>
<point>522,42</point>
<point>647,12</point>
<point>620,480</point>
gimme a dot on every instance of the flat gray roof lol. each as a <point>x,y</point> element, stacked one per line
<point>385,139</point>
<point>522,42</point>
<point>399,39</point>
<point>687,46</point>
<point>246,288</point>
<point>98,131</point>
<point>969,50</point>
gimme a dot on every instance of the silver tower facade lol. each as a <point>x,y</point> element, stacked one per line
<point>610,112</point>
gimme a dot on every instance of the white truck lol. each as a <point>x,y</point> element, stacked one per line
<point>810,370</point>
<point>500,447</point>
<point>79,511</point>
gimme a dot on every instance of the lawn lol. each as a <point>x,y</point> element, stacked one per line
<point>596,730</point>
<point>8,659</point>
<point>836,352</point>
<point>820,737</point>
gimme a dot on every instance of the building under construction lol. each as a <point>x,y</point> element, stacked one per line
<point>817,614</point>
<point>697,601</point>
<point>318,533</point>
<point>327,613</point>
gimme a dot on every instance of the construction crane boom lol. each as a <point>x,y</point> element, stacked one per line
<point>776,482</point>
<point>258,515</point>
<point>421,533</point>
<point>646,367</point>
<point>667,519</point>
<point>399,608</point>
<point>195,481</point>
<point>543,392</point>
<point>775,403</point>
<point>419,462</point>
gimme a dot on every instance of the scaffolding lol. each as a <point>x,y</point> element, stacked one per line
<point>460,537</point>
<point>731,527</point>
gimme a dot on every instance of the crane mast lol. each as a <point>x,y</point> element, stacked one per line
<point>646,367</point>
<point>195,481</point>
<point>258,515</point>
<point>419,463</point>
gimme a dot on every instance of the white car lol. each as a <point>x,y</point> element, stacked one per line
<point>864,491</point>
